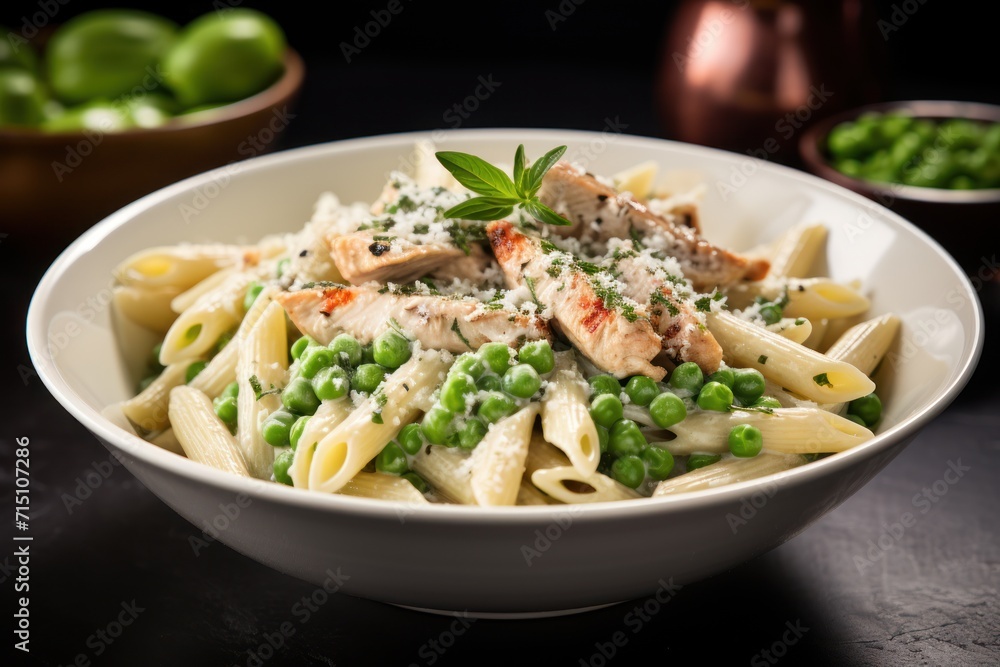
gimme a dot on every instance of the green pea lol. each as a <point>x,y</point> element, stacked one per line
<point>696,461</point>
<point>391,349</point>
<point>436,425</point>
<point>497,356</point>
<point>687,377</point>
<point>659,462</point>
<point>495,407</point>
<point>626,438</point>
<point>225,409</point>
<point>603,437</point>
<point>606,409</point>
<point>715,396</point>
<point>392,460</point>
<point>850,140</point>
<point>295,433</point>
<point>893,126</point>
<point>223,341</point>
<point>771,313</point>
<point>471,433</point>
<point>299,346</point>
<point>469,363</point>
<point>367,377</point>
<point>745,441</point>
<point>767,402</point>
<point>538,354</point>
<point>457,390</point>
<point>282,463</point>
<point>748,385</point>
<point>276,429</point>
<point>193,370</point>
<point>410,439</point>
<point>667,409</point>
<point>628,471</point>
<point>253,291</point>
<point>521,381</point>
<point>869,408</point>
<point>724,376</point>
<point>489,383</point>
<point>641,390</point>
<point>232,389</point>
<point>416,480</point>
<point>331,383</point>
<point>298,396</point>
<point>346,349</point>
<point>313,360</point>
<point>604,384</point>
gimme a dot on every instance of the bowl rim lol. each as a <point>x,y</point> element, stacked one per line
<point>811,152</point>
<point>284,88</point>
<point>149,454</point>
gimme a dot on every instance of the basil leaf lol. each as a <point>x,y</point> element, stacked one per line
<point>545,214</point>
<point>477,174</point>
<point>520,170</point>
<point>482,208</point>
<point>539,167</point>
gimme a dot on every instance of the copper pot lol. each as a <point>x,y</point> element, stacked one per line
<point>749,75</point>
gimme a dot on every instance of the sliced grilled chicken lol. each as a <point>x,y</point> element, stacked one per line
<point>683,336</point>
<point>615,343</point>
<point>598,213</point>
<point>366,256</point>
<point>478,268</point>
<point>438,322</point>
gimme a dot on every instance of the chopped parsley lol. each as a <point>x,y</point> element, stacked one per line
<point>258,390</point>
<point>799,321</point>
<point>762,359</point>
<point>458,332</point>
<point>530,282</point>
<point>380,400</point>
<point>704,304</point>
<point>659,298</point>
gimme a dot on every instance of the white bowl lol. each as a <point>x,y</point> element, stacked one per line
<point>531,560</point>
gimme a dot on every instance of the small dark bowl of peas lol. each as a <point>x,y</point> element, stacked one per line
<point>936,163</point>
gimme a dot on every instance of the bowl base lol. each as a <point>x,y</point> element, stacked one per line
<point>509,616</point>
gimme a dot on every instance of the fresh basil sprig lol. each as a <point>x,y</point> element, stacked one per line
<point>498,194</point>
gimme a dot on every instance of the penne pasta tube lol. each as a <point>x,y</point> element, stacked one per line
<point>147,307</point>
<point>637,179</point>
<point>566,420</point>
<point>804,371</point>
<point>448,470</point>
<point>180,267</point>
<point>815,338</point>
<point>795,253</point>
<point>527,494</point>
<point>202,434</point>
<point>542,454</point>
<point>498,460</point>
<point>262,358</point>
<point>187,298</point>
<point>787,430</point>
<point>796,330</point>
<point>198,328</point>
<point>354,442</point>
<point>728,471</point>
<point>382,486</point>
<point>864,345</point>
<point>221,370</point>
<point>148,410</point>
<point>812,298</point>
<point>567,485</point>
<point>328,415</point>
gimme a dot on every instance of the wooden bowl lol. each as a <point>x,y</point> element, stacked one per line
<point>955,218</point>
<point>53,186</point>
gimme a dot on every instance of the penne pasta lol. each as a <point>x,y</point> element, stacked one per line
<point>148,307</point>
<point>637,179</point>
<point>498,461</point>
<point>261,359</point>
<point>796,330</point>
<point>566,418</point>
<point>354,442</point>
<point>180,267</point>
<point>787,430</point>
<point>167,439</point>
<point>864,345</point>
<point>448,470</point>
<point>567,485</point>
<point>794,254</point>
<point>382,486</point>
<point>189,297</point>
<point>201,434</point>
<point>148,410</point>
<point>812,298</point>
<point>804,371</point>
<point>198,328</point>
<point>728,471</point>
<point>328,416</point>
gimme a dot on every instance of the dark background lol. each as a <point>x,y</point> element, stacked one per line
<point>931,599</point>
